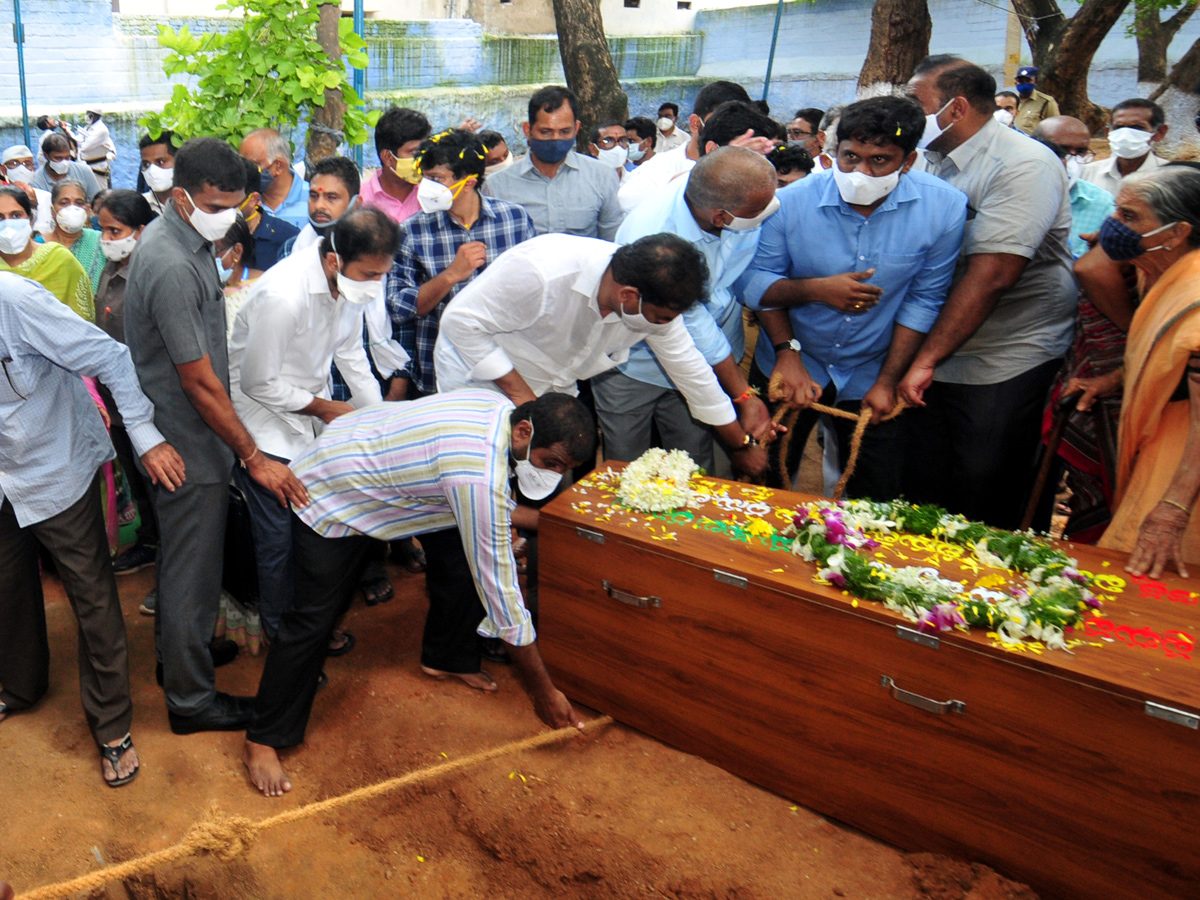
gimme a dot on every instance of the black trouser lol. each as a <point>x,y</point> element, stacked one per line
<point>327,572</point>
<point>974,446</point>
<point>878,474</point>
<point>78,543</point>
<point>450,641</point>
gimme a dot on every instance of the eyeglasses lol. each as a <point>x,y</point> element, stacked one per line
<point>12,164</point>
<point>1084,156</point>
<point>607,143</point>
<point>797,133</point>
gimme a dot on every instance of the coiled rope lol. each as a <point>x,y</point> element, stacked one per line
<point>228,837</point>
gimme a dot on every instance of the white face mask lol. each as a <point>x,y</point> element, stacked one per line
<point>536,484</point>
<point>20,175</point>
<point>71,219</point>
<point>117,250</point>
<point>665,124</point>
<point>1129,143</point>
<point>59,166</point>
<point>637,321</point>
<point>860,189</point>
<point>500,166</point>
<point>15,235</point>
<point>158,179</point>
<point>1004,117</point>
<point>358,293</point>
<point>434,197</point>
<point>933,130</point>
<point>211,226</point>
<point>614,157</point>
<point>1074,168</point>
<point>740,224</point>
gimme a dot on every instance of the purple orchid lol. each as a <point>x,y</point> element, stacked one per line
<point>942,617</point>
<point>1091,601</point>
<point>837,580</point>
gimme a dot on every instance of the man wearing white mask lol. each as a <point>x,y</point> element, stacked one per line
<point>988,361</point>
<point>158,159</point>
<point>458,233</point>
<point>96,147</point>
<point>882,227</point>
<point>1070,141</point>
<point>60,166</point>
<point>610,145</point>
<point>304,314</point>
<point>1134,127</point>
<point>175,327</point>
<point>670,135</point>
<point>439,467</point>
<point>20,169</point>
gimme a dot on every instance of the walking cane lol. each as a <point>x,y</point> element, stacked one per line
<point>1062,412</point>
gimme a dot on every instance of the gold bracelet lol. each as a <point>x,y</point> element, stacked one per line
<point>245,461</point>
<point>1178,506</point>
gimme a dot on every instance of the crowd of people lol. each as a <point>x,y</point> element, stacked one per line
<point>427,353</point>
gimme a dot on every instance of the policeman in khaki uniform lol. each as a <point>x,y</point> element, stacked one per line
<point>1035,106</point>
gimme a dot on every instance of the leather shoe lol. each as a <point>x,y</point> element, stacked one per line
<point>225,713</point>
<point>223,651</point>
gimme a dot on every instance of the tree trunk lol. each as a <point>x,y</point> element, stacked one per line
<point>1178,98</point>
<point>589,65</point>
<point>900,31</point>
<point>1154,36</point>
<point>325,122</point>
<point>1063,50</point>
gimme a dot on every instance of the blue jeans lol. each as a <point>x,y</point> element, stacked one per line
<point>271,525</point>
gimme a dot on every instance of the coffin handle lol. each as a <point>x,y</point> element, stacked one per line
<point>630,599</point>
<point>938,708</point>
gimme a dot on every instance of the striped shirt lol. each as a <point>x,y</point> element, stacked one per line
<point>399,469</point>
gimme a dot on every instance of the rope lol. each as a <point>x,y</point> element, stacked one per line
<point>228,837</point>
<point>792,413</point>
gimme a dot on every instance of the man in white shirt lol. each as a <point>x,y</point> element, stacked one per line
<point>96,148</point>
<point>647,179</point>
<point>560,308</point>
<point>303,314</point>
<point>670,135</point>
<point>158,163</point>
<point>1134,127</point>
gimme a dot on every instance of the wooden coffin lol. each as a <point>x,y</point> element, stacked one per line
<point>1077,773</point>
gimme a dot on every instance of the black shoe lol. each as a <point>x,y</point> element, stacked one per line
<point>222,651</point>
<point>134,560</point>
<point>225,713</point>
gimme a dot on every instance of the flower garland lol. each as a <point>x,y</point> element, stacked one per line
<point>657,481</point>
<point>1045,609</point>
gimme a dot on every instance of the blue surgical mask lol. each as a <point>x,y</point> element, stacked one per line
<point>551,152</point>
<point>1025,89</point>
<point>266,179</point>
<point>1122,243</point>
<point>223,273</point>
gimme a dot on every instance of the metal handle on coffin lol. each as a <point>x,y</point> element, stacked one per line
<point>938,708</point>
<point>630,599</point>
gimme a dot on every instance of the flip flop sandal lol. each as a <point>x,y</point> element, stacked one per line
<point>377,591</point>
<point>345,648</point>
<point>113,755</point>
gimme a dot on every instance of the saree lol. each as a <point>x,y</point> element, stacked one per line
<point>56,269</point>
<point>86,249</point>
<point>1154,429</point>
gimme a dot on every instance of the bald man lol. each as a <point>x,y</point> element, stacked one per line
<point>718,208</point>
<point>1071,141</point>
<point>284,194</point>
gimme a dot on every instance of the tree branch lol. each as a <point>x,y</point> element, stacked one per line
<point>1177,21</point>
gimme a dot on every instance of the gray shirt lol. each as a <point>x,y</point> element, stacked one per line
<point>580,199</point>
<point>175,314</point>
<point>76,171</point>
<point>1017,203</point>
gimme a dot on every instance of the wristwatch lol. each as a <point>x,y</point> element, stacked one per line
<point>793,344</point>
<point>748,441</point>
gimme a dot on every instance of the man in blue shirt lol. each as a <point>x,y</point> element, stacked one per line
<point>284,194</point>
<point>863,261</point>
<point>1069,140</point>
<point>272,235</point>
<point>52,444</point>
<point>717,207</point>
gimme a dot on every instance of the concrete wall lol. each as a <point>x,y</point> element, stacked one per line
<point>79,53</point>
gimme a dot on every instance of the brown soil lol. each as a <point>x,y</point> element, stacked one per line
<point>617,815</point>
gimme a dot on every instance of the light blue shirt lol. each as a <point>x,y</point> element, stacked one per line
<point>715,323</point>
<point>580,199</point>
<point>912,241</point>
<point>294,208</point>
<point>52,439</point>
<point>1090,206</point>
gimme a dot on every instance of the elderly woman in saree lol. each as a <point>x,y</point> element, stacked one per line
<point>1156,227</point>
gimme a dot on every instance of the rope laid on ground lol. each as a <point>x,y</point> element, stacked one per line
<point>227,837</point>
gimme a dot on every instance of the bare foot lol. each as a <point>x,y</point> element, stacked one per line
<point>266,772</point>
<point>126,765</point>
<point>480,681</point>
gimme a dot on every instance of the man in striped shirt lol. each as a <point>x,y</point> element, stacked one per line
<point>438,467</point>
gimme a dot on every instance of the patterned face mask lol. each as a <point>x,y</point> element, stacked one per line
<point>1122,243</point>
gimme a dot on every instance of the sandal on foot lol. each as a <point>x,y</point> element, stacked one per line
<point>488,684</point>
<point>376,591</point>
<point>347,643</point>
<point>113,755</point>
